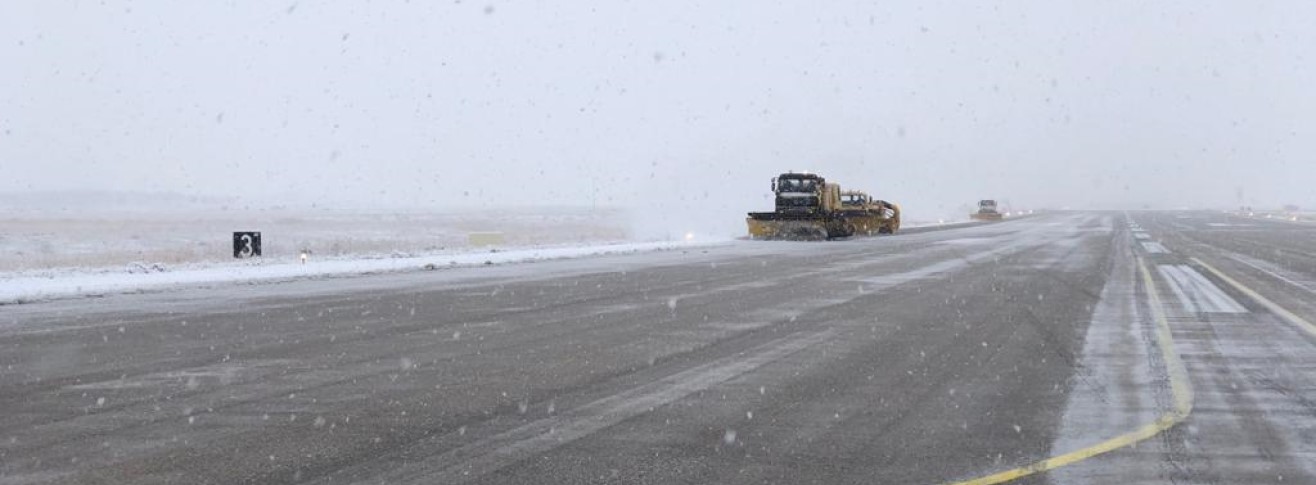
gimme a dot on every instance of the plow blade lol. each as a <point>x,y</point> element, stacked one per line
<point>797,227</point>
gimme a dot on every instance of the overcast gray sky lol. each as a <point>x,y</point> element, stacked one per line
<point>686,107</point>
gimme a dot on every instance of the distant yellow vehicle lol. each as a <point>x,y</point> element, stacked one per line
<point>870,216</point>
<point>986,211</point>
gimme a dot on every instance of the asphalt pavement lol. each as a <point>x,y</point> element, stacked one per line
<point>1066,347</point>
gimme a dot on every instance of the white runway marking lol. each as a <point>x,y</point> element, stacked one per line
<point>1154,247</point>
<point>1196,293</point>
<point>1141,235</point>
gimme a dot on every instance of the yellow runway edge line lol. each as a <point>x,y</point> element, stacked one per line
<point>1270,305</point>
<point>1180,388</point>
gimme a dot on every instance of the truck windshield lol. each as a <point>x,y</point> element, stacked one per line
<point>797,185</point>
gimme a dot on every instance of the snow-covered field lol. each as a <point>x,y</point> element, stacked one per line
<point>23,287</point>
<point>47,241</point>
<point>87,248</point>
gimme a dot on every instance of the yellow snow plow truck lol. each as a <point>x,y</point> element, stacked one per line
<point>868,215</point>
<point>807,207</point>
<point>810,208</point>
<point>986,211</point>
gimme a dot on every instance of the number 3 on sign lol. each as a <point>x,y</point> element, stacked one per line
<point>246,244</point>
